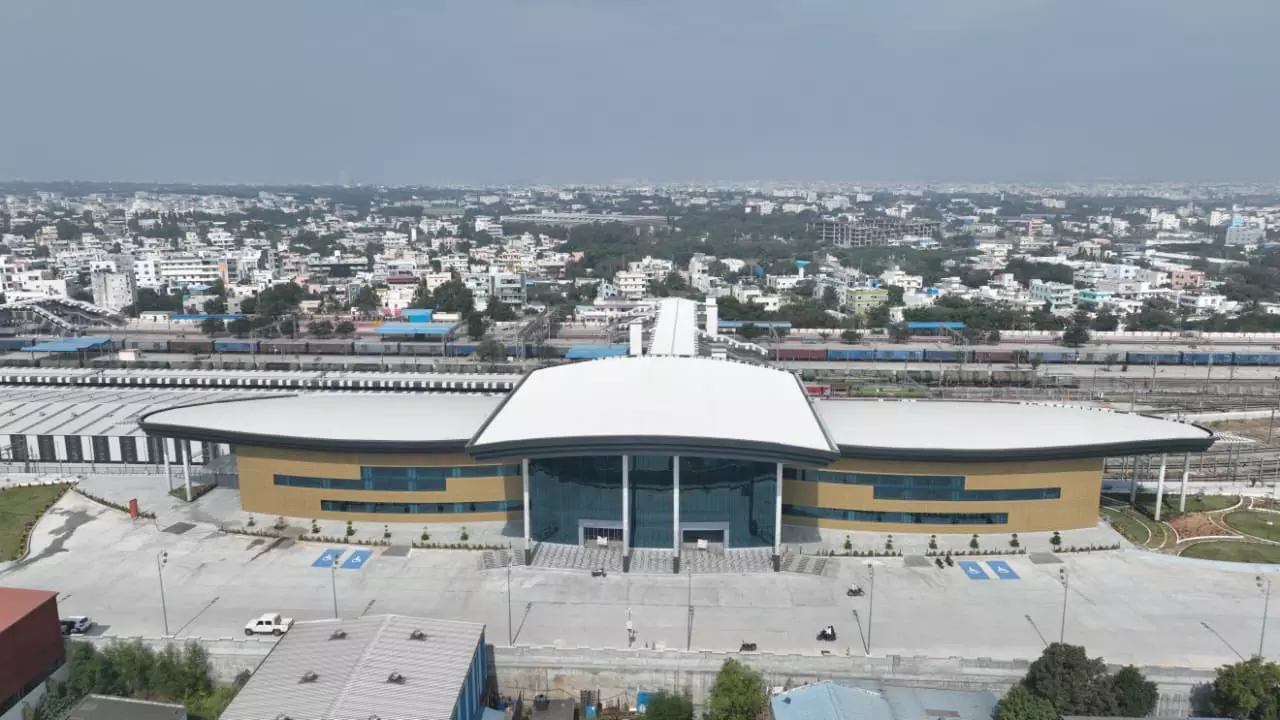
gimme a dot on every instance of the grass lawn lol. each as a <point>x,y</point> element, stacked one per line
<point>1252,522</point>
<point>1147,503</point>
<point>19,506</point>
<point>1133,529</point>
<point>1234,551</point>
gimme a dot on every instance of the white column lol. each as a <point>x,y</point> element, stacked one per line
<point>777,515</point>
<point>675,510</point>
<point>1164,461</point>
<point>1186,474</point>
<point>186,466</point>
<point>524,479</point>
<point>626,505</point>
<point>164,450</point>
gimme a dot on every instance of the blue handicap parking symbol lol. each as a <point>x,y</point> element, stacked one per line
<point>357,560</point>
<point>973,570</point>
<point>1002,570</point>
<point>327,558</point>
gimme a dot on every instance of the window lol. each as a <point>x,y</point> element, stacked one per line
<point>355,506</point>
<point>403,479</point>
<point>75,451</point>
<point>910,518</point>
<point>102,448</point>
<point>946,488</point>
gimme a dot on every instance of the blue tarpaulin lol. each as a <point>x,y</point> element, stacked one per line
<point>595,352</point>
<point>413,328</point>
<point>75,344</point>
<point>935,326</point>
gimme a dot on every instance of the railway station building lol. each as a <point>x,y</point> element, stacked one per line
<point>665,451</point>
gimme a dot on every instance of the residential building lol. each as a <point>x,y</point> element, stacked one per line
<point>906,281</point>
<point>1183,279</point>
<point>631,284</point>
<point>113,290</point>
<point>508,288</point>
<point>1201,303</point>
<point>861,299</point>
<point>875,231</point>
<point>1245,235</point>
<point>1060,298</point>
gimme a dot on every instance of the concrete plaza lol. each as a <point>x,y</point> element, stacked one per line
<point>1128,606</point>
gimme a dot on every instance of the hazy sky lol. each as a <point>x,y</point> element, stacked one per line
<point>520,91</point>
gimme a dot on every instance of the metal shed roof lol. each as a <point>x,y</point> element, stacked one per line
<point>986,431</point>
<point>658,405</point>
<point>351,672</point>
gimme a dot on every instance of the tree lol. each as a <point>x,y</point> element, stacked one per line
<point>215,306</point>
<point>1135,694</point>
<point>1248,690</point>
<point>665,705</point>
<point>320,328</point>
<point>491,351</point>
<point>367,300</point>
<point>1021,704</point>
<point>851,336</point>
<point>346,328</point>
<point>500,311</point>
<point>737,694</point>
<point>239,327</point>
<point>1105,321</point>
<point>450,297</point>
<point>750,331</point>
<point>1073,682</point>
<point>1078,333</point>
<point>475,325</point>
<point>830,298</point>
<point>212,326</point>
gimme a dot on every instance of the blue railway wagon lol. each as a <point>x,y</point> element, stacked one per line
<point>15,343</point>
<point>1257,358</point>
<point>1056,356</point>
<point>1099,357</point>
<point>946,356</point>
<point>900,355</point>
<point>1154,358</point>
<point>850,355</point>
<point>235,346</point>
<point>461,350</point>
<point>422,349</point>
<point>368,347</point>
<point>1207,358</point>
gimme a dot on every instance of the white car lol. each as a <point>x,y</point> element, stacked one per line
<point>269,624</point>
<point>76,625</point>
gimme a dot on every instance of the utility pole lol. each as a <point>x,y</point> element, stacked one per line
<point>871,604</point>
<point>511,641</point>
<point>162,559</point>
<point>333,582</point>
<point>1062,629</point>
<point>1264,585</point>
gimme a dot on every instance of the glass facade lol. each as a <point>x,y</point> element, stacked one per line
<point>910,518</point>
<point>731,499</point>
<point>945,488</point>
<point>356,506</point>
<point>412,479</point>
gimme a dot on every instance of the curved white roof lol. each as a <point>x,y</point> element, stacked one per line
<point>657,405</point>
<point>388,422</point>
<point>937,430</point>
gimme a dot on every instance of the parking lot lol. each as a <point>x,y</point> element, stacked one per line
<point>1128,606</point>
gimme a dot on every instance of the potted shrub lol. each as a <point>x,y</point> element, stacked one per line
<point>973,542</point>
<point>1056,539</point>
<point>933,542</point>
<point>351,530</point>
<point>1013,541</point>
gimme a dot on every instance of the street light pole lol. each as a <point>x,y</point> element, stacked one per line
<point>333,583</point>
<point>871,605</point>
<point>510,636</point>
<point>1265,586</point>
<point>162,559</point>
<point>1066,583</point>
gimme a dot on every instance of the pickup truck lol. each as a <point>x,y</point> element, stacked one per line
<point>269,624</point>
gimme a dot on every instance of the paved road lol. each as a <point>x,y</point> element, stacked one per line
<point>1128,606</point>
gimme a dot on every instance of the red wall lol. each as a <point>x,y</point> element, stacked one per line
<point>29,646</point>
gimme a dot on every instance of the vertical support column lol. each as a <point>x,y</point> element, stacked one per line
<point>524,482</point>
<point>675,511</point>
<point>1133,487</point>
<point>777,522</point>
<point>186,466</point>
<point>1186,474</point>
<point>626,513</point>
<point>1164,461</point>
<point>164,450</point>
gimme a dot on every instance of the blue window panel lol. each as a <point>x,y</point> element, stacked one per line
<point>401,479</point>
<point>945,488</point>
<point>355,506</point>
<point>910,518</point>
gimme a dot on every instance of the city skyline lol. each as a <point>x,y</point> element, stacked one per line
<point>576,92</point>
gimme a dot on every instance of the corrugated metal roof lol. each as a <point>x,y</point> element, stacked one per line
<point>351,674</point>
<point>17,603</point>
<point>676,330</point>
<point>829,701</point>
<point>913,703</point>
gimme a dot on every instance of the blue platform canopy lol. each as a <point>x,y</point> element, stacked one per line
<point>595,352</point>
<point>935,326</point>
<point>736,324</point>
<point>75,344</point>
<point>417,315</point>
<point>414,328</point>
<point>225,317</point>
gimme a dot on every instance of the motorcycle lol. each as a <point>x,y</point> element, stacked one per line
<point>854,591</point>
<point>747,647</point>
<point>827,634</point>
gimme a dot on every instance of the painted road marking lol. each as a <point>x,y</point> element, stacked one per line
<point>357,560</point>
<point>327,558</point>
<point>973,570</point>
<point>1002,570</point>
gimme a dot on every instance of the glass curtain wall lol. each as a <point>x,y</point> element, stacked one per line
<point>566,492</point>
<point>736,494</point>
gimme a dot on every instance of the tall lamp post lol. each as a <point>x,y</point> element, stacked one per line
<point>511,641</point>
<point>1264,584</point>
<point>1066,584</point>
<point>333,584</point>
<point>871,604</point>
<point>162,559</point>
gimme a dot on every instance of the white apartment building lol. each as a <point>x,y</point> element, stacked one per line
<point>895,276</point>
<point>1202,303</point>
<point>654,269</point>
<point>1060,298</point>
<point>747,293</point>
<point>113,290</point>
<point>784,283</point>
<point>1218,218</point>
<point>631,284</point>
<point>178,271</point>
<point>508,288</point>
<point>221,238</point>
